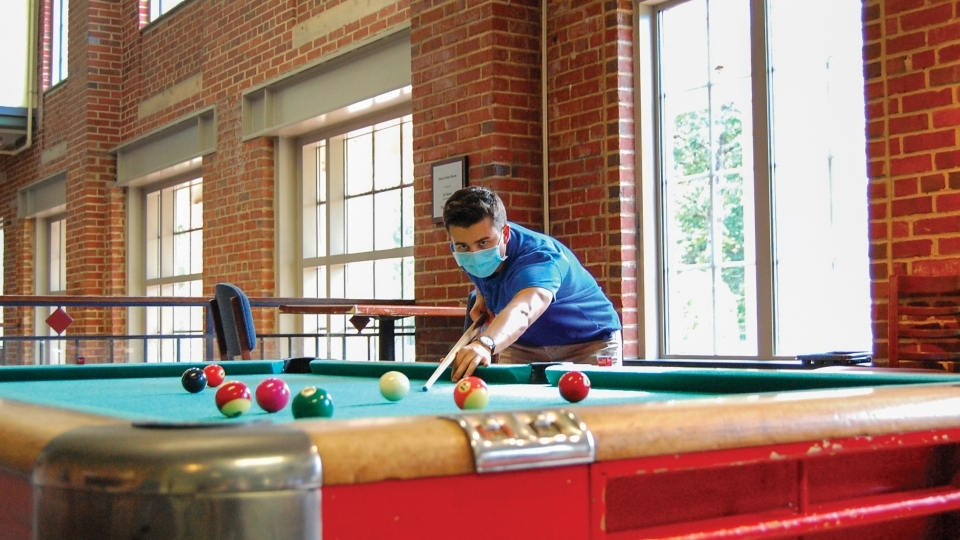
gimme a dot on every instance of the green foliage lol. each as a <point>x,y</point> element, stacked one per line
<point>694,210</point>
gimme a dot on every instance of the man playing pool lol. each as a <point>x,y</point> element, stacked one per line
<point>541,304</point>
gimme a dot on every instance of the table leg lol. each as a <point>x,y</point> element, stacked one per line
<point>387,350</point>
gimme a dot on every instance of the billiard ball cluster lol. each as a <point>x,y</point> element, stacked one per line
<point>194,379</point>
<point>233,398</point>
<point>273,394</point>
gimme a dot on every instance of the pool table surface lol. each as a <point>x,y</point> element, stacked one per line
<point>675,451</point>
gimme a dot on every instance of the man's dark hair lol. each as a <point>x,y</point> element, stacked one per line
<point>470,205</point>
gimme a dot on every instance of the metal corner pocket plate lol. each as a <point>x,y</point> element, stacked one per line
<point>517,440</point>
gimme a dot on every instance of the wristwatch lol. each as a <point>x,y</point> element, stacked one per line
<point>487,342</point>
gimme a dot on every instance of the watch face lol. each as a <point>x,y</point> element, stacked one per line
<point>487,342</point>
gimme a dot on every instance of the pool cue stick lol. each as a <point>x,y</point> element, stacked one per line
<point>464,339</point>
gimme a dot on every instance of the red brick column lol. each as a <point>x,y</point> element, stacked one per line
<point>592,145</point>
<point>94,221</point>
<point>477,92</point>
<point>912,67</point>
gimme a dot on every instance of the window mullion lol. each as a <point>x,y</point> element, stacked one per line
<point>763,180</point>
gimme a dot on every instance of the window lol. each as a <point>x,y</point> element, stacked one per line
<point>174,267</point>
<point>58,39</point>
<point>55,351</point>
<point>358,228</point>
<point>762,177</point>
<point>159,7</point>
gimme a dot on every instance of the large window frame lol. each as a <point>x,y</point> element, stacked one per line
<point>50,280</point>
<point>331,263</point>
<point>56,32</point>
<point>766,260</point>
<point>159,8</point>
<point>173,267</point>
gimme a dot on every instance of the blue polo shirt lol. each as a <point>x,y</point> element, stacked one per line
<point>580,311</point>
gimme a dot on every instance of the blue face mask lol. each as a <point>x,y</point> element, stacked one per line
<point>481,263</point>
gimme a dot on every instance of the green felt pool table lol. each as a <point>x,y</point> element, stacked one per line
<point>122,451</point>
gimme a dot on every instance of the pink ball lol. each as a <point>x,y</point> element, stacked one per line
<point>273,394</point>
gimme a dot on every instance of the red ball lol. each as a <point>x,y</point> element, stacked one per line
<point>233,399</point>
<point>215,375</point>
<point>273,394</point>
<point>471,393</point>
<point>574,386</point>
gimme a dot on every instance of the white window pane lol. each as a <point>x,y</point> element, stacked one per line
<point>705,130</point>
<point>388,168</point>
<point>732,121</point>
<point>196,205</point>
<point>336,281</point>
<point>321,249</point>
<point>359,279</point>
<point>60,40</point>
<point>407,216</point>
<point>686,133</point>
<point>181,210</point>
<point>181,254</point>
<point>408,283</point>
<point>684,59</point>
<point>358,348</point>
<point>196,252</point>
<point>388,220</point>
<point>690,309</point>
<point>407,152</point>
<point>389,279</point>
<point>360,224</point>
<point>159,7</point>
<point>729,40</point>
<point>689,208</point>
<point>359,164</point>
<point>152,248</point>
<point>734,237</point>
<point>821,196</point>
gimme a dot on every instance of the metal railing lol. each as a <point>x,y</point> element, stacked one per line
<point>81,349</point>
<point>184,347</point>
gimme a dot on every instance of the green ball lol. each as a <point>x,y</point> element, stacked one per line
<point>394,385</point>
<point>312,402</point>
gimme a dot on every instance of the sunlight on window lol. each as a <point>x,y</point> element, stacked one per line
<point>174,240</point>
<point>818,217</point>
<point>358,232</point>
<point>823,286</point>
<point>14,39</point>
<point>159,7</point>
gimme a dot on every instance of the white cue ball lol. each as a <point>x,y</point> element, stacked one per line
<point>394,385</point>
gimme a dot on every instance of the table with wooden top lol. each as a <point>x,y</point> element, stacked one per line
<point>387,314</point>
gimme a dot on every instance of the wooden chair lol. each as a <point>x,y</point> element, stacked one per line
<point>233,322</point>
<point>924,322</point>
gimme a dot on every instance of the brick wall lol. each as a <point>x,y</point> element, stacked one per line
<point>477,92</point>
<point>475,74</point>
<point>592,151</point>
<point>912,69</point>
